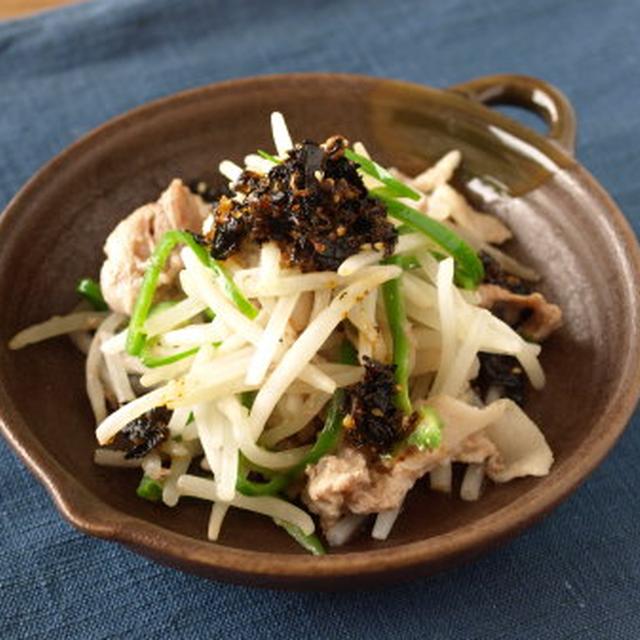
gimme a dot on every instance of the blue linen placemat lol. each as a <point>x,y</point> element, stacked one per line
<point>576,575</point>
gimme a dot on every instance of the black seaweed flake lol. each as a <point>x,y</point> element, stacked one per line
<point>373,419</point>
<point>230,235</point>
<point>314,205</point>
<point>146,432</point>
<point>503,372</point>
<point>209,194</point>
<point>495,274</point>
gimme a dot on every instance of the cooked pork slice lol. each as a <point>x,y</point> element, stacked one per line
<point>348,482</point>
<point>132,242</point>
<point>446,202</point>
<point>332,481</point>
<point>476,449</point>
<point>532,315</point>
<point>345,483</point>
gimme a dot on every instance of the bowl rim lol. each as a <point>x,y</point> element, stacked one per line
<point>90,515</point>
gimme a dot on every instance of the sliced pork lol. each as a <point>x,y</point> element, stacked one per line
<point>500,435</point>
<point>132,242</point>
<point>532,315</point>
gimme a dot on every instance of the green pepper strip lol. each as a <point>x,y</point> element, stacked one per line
<point>268,156</point>
<point>309,542</point>
<point>406,263</point>
<point>149,360</point>
<point>152,362</point>
<point>136,337</point>
<point>250,488</point>
<point>397,317</point>
<point>469,269</point>
<point>90,290</point>
<point>161,306</point>
<point>326,442</point>
<point>404,230</point>
<point>245,465</point>
<point>149,489</point>
<point>393,187</point>
<point>428,431</point>
<point>348,353</point>
<point>427,434</point>
<point>247,398</point>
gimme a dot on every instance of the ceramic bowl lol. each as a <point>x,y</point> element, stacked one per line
<point>565,226</point>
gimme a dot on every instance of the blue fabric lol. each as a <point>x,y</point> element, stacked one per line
<point>576,575</point>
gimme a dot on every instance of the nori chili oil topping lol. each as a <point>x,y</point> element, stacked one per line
<point>373,419</point>
<point>495,274</point>
<point>500,371</point>
<point>146,432</point>
<point>314,205</point>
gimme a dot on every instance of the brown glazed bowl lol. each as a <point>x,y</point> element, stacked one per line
<point>565,226</point>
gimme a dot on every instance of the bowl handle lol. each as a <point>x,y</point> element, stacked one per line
<point>531,94</point>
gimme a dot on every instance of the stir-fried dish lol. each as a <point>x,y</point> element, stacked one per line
<point>310,341</point>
